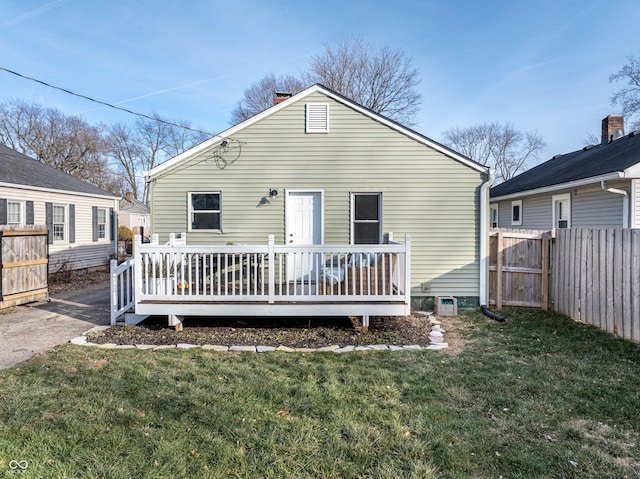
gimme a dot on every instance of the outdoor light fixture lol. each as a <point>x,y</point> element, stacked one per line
<point>273,193</point>
<point>224,143</point>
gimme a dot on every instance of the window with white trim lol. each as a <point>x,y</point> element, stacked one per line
<point>205,211</point>
<point>493,218</point>
<point>561,210</point>
<point>516,213</point>
<point>317,118</point>
<point>59,226</point>
<point>102,223</point>
<point>366,216</point>
<point>15,213</point>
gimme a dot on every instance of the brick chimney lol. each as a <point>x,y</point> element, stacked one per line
<point>612,128</point>
<point>128,196</point>
<point>281,96</point>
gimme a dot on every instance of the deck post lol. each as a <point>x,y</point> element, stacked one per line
<point>365,323</point>
<point>175,321</point>
<point>114,290</point>
<point>407,269</point>
<point>137,270</point>
<point>271,267</point>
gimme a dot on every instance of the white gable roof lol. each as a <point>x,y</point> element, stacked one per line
<point>217,139</point>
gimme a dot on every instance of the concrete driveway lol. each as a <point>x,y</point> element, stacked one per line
<point>37,327</point>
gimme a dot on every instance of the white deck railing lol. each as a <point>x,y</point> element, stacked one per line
<point>180,280</point>
<point>272,273</point>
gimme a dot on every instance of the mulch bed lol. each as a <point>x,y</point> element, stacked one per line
<point>293,332</point>
<point>302,332</point>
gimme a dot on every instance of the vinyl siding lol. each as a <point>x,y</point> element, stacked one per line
<point>536,213</point>
<point>596,209</point>
<point>424,193</point>
<point>83,253</point>
<point>590,207</point>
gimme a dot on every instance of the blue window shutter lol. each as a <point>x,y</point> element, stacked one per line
<point>72,223</point>
<point>94,222</point>
<point>29,212</point>
<point>3,211</point>
<point>48,215</point>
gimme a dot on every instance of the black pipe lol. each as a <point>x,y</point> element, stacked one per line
<point>491,314</point>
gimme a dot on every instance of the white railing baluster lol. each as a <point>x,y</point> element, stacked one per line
<point>274,273</point>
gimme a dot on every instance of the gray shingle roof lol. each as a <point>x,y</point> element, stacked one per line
<point>582,164</point>
<point>134,207</point>
<point>19,169</point>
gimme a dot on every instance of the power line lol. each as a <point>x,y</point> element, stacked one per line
<point>105,103</point>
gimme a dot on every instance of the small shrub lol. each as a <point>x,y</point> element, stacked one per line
<point>124,233</point>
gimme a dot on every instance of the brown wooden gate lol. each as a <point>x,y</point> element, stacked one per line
<point>519,268</point>
<point>23,265</point>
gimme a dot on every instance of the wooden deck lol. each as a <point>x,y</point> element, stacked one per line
<point>178,280</point>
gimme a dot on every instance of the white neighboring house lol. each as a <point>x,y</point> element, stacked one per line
<point>81,218</point>
<point>134,215</point>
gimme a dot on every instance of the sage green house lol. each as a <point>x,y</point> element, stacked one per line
<point>317,168</point>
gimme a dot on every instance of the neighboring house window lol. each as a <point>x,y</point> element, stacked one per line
<point>317,118</point>
<point>59,222</point>
<point>15,213</point>
<point>366,216</point>
<point>102,223</point>
<point>205,211</point>
<point>561,211</point>
<point>143,221</point>
<point>516,213</point>
<point>494,216</point>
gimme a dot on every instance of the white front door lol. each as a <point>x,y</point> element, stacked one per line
<point>304,227</point>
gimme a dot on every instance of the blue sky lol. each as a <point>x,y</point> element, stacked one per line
<point>541,65</point>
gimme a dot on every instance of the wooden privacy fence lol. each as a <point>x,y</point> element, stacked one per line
<point>23,264</point>
<point>596,277</point>
<point>519,268</point>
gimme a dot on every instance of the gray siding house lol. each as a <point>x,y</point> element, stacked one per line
<point>317,168</point>
<point>595,187</point>
<point>80,218</point>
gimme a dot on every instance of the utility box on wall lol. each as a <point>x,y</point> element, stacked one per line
<point>446,306</point>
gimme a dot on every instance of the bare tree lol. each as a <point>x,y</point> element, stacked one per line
<point>145,144</point>
<point>502,147</point>
<point>259,96</point>
<point>67,143</point>
<point>628,97</point>
<point>127,154</point>
<point>382,80</point>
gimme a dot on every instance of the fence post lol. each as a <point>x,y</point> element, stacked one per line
<point>544,286</point>
<point>271,265</point>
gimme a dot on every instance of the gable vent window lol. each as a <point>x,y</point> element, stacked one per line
<point>317,118</point>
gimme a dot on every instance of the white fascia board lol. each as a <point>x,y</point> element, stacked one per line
<point>561,186</point>
<point>52,190</point>
<point>216,139</point>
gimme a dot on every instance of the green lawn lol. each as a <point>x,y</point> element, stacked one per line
<point>537,396</point>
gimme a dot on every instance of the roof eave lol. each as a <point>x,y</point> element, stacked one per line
<point>561,186</point>
<point>53,190</point>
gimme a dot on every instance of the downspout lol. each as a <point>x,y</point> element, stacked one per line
<point>625,202</point>
<point>484,238</point>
